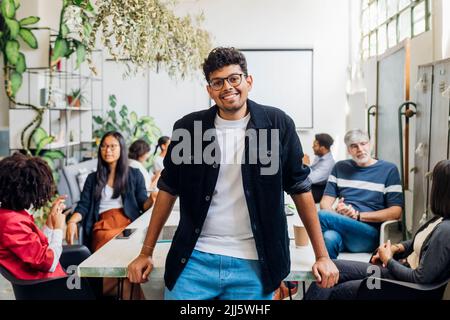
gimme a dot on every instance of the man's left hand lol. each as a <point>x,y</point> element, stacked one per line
<point>325,272</point>
<point>306,160</point>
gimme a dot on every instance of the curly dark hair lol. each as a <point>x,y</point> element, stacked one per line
<point>137,149</point>
<point>221,57</point>
<point>24,182</point>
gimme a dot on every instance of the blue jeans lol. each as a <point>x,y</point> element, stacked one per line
<point>213,276</point>
<point>342,233</point>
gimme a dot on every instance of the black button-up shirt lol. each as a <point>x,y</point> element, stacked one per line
<point>194,181</point>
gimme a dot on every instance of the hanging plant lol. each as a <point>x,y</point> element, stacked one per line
<point>146,33</point>
<point>74,31</point>
<point>11,30</point>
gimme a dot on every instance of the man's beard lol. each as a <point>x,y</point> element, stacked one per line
<point>362,160</point>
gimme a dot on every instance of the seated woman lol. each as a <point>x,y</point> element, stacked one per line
<point>25,251</point>
<point>112,197</point>
<point>138,153</point>
<point>425,259</point>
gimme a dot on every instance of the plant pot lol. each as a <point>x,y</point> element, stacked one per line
<point>73,102</point>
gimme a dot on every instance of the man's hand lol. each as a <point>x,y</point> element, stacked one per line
<point>346,210</point>
<point>325,272</point>
<point>306,160</point>
<point>140,268</point>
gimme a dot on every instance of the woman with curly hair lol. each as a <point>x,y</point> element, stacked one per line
<point>25,251</point>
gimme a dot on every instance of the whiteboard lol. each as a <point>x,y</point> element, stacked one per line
<point>283,78</point>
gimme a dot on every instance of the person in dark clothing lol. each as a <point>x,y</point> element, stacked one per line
<point>425,259</point>
<point>232,240</point>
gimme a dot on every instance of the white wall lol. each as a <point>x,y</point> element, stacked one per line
<point>321,25</point>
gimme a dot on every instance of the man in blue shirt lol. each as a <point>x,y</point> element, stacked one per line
<point>369,192</point>
<point>322,165</point>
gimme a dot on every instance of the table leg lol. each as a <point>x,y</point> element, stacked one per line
<point>131,292</point>
<point>119,289</point>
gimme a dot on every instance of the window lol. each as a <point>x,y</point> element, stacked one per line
<point>385,23</point>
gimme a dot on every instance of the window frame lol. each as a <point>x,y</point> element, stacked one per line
<point>366,6</point>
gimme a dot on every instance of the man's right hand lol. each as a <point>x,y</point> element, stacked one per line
<point>140,268</point>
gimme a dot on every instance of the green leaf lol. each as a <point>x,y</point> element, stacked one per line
<point>98,119</point>
<point>87,29</point>
<point>64,30</point>
<point>81,54</point>
<point>124,112</point>
<point>8,8</point>
<point>50,163</point>
<point>60,49</point>
<point>146,119</point>
<point>28,37</point>
<point>43,142</point>
<point>112,101</point>
<point>38,135</point>
<point>90,7</point>
<point>21,64</point>
<point>14,28</point>
<point>54,154</point>
<point>110,127</point>
<point>112,115</point>
<point>138,134</point>
<point>78,2</point>
<point>12,51</point>
<point>17,4</point>
<point>133,118</point>
<point>29,20</point>
<point>16,82</point>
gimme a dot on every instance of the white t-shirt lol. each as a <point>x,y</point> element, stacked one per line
<point>227,229</point>
<point>107,202</point>
<point>158,164</point>
<point>147,178</point>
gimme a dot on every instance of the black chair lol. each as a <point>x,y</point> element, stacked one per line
<point>400,290</point>
<point>53,288</point>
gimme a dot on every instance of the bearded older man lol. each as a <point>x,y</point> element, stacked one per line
<point>369,192</point>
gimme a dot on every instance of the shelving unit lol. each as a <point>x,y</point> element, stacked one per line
<point>72,126</point>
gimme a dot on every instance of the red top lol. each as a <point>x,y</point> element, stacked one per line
<point>24,249</point>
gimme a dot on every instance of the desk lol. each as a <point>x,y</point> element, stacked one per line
<point>111,260</point>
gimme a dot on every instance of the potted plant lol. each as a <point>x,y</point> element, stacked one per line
<point>76,98</point>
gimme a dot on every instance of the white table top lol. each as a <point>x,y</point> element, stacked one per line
<point>111,260</point>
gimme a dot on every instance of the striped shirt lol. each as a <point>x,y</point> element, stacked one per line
<point>367,189</point>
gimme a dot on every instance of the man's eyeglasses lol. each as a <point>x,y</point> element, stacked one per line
<point>112,147</point>
<point>234,80</point>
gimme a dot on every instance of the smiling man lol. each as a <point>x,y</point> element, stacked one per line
<point>369,193</point>
<point>232,240</point>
